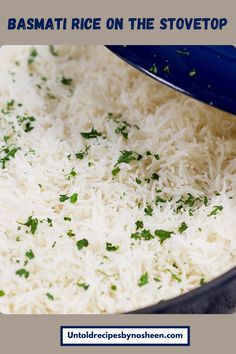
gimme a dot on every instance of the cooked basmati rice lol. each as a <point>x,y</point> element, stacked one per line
<point>69,237</point>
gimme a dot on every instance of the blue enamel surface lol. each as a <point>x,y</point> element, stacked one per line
<point>214,82</point>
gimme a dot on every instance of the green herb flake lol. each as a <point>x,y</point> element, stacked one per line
<point>143,280</point>
<point>175,277</point>
<point>163,234</point>
<point>160,200</point>
<point>92,134</point>
<point>83,285</point>
<point>22,273</point>
<point>27,122</point>
<point>52,50</point>
<point>202,281</point>
<point>111,248</point>
<point>82,243</point>
<point>6,138</point>
<point>139,224</point>
<point>32,56</point>
<point>182,227</point>
<point>144,234</point>
<point>49,221</point>
<point>123,129</point>
<point>72,173</point>
<point>67,218</point>
<point>157,157</point>
<point>138,181</point>
<point>155,176</point>
<point>115,171</point>
<point>192,72</point>
<point>63,197</point>
<point>32,223</point>
<point>30,254</point>
<point>10,105</point>
<point>182,52</point>
<point>153,69</point>
<point>205,201</point>
<point>82,153</point>
<point>156,279</point>
<point>74,198</point>
<point>166,69</point>
<point>66,81</point>
<point>148,210</point>
<point>70,233</point>
<point>216,209</point>
<point>50,296</point>
<point>2,293</point>
<point>9,153</point>
<point>128,156</point>
<point>113,287</point>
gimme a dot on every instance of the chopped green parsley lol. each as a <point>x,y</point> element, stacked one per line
<point>82,153</point>
<point>73,198</point>
<point>182,52</point>
<point>52,50</point>
<point>155,176</point>
<point>139,224</point>
<point>144,234</point>
<point>9,153</point>
<point>153,69</point>
<point>143,280</point>
<point>32,223</point>
<point>122,129</point>
<point>111,248</point>
<point>49,221</point>
<point>163,234</point>
<point>22,273</point>
<point>50,296</point>
<point>128,156</point>
<point>192,72</point>
<point>82,243</point>
<point>182,227</point>
<point>66,81</point>
<point>148,210</point>
<point>202,281</point>
<point>27,122</point>
<point>63,197</point>
<point>2,293</point>
<point>72,174</point>
<point>83,285</point>
<point>216,209</point>
<point>115,171</point>
<point>70,233</point>
<point>30,254</point>
<point>32,56</point>
<point>175,276</point>
<point>91,135</point>
<point>166,69</point>
<point>160,200</point>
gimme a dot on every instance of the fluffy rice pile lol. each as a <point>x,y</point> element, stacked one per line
<point>115,191</point>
